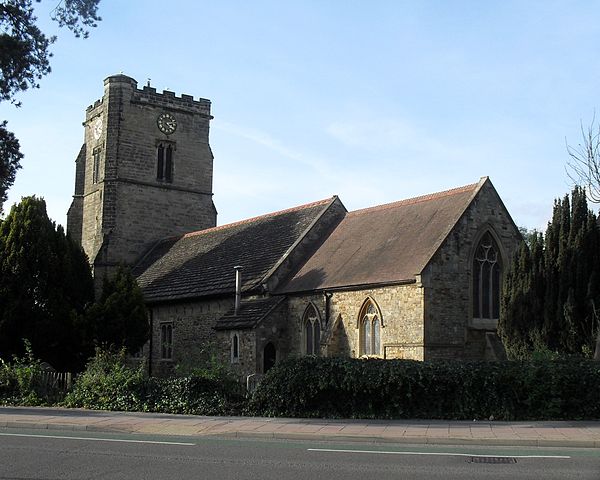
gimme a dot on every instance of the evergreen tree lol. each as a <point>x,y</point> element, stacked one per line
<point>119,318</point>
<point>551,294</point>
<point>45,285</point>
<point>25,60</point>
<point>521,322</point>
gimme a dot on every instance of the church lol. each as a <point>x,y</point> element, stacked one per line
<point>417,279</point>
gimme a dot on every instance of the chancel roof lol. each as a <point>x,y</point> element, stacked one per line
<point>202,263</point>
<point>389,243</point>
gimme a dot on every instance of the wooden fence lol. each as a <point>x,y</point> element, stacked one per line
<point>54,384</point>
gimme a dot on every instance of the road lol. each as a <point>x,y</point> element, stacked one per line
<point>35,454</point>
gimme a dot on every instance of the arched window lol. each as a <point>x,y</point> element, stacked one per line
<point>235,348</point>
<point>166,341</point>
<point>311,331</point>
<point>370,327</point>
<point>487,273</point>
<point>269,357</point>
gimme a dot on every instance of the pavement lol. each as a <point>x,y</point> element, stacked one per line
<point>574,434</point>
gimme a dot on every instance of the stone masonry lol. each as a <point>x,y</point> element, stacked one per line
<point>120,207</point>
<point>449,328</point>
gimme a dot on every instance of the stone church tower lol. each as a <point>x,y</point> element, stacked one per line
<point>144,172</point>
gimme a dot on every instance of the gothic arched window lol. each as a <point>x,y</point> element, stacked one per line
<point>164,162</point>
<point>487,273</point>
<point>235,348</point>
<point>311,327</point>
<point>370,326</point>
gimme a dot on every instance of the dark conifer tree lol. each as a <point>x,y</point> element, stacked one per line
<point>552,289</point>
<point>45,284</point>
<point>119,318</point>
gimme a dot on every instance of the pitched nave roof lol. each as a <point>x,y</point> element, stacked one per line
<point>202,263</point>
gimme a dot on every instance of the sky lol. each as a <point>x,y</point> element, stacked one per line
<point>373,101</point>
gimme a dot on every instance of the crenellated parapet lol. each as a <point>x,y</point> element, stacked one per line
<point>148,95</point>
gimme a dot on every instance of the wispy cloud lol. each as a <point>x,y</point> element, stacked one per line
<point>393,135</point>
<point>265,140</point>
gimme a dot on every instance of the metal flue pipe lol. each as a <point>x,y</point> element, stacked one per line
<point>238,287</point>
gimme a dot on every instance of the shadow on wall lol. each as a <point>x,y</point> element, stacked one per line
<point>339,346</point>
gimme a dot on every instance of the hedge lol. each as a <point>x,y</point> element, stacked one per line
<point>108,383</point>
<point>374,388</point>
<point>336,388</point>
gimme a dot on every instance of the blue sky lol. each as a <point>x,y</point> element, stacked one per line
<point>373,101</point>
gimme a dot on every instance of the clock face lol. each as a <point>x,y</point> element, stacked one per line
<point>97,128</point>
<point>166,123</point>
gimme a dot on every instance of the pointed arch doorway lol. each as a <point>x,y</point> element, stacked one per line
<point>269,357</point>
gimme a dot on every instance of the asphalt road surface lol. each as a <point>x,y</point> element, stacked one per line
<point>35,454</point>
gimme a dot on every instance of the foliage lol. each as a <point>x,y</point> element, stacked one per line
<point>119,318</point>
<point>193,395</point>
<point>19,383</point>
<point>204,362</point>
<point>374,388</point>
<point>77,15</point>
<point>108,383</point>
<point>25,60</point>
<point>45,284</point>
<point>10,158</point>
<point>25,49</point>
<point>551,294</point>
<point>583,165</point>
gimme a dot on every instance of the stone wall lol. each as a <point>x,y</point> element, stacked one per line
<point>194,338</point>
<point>401,308</point>
<point>246,362</point>
<point>450,331</point>
<point>193,335</point>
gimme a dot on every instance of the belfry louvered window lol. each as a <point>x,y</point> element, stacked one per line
<point>487,274</point>
<point>164,162</point>
<point>96,165</point>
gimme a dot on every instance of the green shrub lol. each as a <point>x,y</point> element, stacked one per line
<point>353,388</point>
<point>20,380</point>
<point>193,395</point>
<point>108,383</point>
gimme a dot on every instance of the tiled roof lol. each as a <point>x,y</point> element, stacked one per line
<point>201,263</point>
<point>384,244</point>
<point>250,313</point>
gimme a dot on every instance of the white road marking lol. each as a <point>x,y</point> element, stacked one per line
<point>447,454</point>
<point>95,439</point>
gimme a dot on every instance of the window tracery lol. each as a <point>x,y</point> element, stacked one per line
<point>370,329</point>
<point>311,331</point>
<point>487,274</point>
